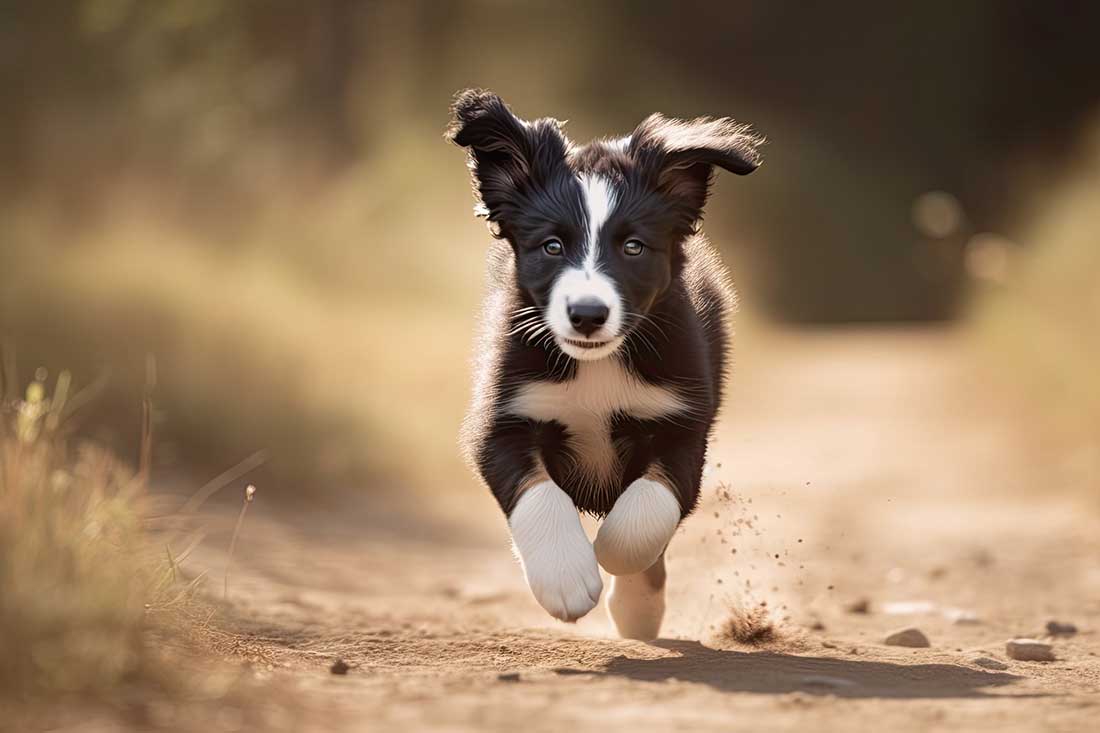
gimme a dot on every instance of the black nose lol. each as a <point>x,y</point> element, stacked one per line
<point>587,315</point>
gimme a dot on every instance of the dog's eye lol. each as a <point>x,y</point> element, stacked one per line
<point>633,248</point>
<point>552,247</point>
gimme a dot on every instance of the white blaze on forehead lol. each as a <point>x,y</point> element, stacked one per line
<point>599,200</point>
<point>587,282</point>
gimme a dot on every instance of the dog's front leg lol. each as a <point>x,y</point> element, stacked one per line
<point>558,560</point>
<point>557,557</point>
<point>645,516</point>
<point>639,526</point>
<point>632,539</point>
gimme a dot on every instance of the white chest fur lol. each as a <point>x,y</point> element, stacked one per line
<point>586,404</point>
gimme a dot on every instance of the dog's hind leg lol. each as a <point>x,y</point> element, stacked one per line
<point>636,602</point>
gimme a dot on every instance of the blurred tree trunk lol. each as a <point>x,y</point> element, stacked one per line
<point>329,60</point>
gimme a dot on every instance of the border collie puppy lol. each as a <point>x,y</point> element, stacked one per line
<point>604,343</point>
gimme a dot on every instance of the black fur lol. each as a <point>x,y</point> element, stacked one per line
<point>676,298</point>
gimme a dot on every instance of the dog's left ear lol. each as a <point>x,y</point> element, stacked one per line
<point>508,156</point>
<point>679,156</point>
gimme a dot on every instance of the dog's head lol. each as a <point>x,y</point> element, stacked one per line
<point>598,231</point>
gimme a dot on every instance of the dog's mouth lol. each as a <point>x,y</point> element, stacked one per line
<point>586,344</point>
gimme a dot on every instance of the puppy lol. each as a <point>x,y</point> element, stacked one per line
<point>603,347</point>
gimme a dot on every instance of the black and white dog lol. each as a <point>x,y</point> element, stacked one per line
<point>604,344</point>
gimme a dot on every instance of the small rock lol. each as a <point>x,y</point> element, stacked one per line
<point>987,663</point>
<point>1057,628</point>
<point>860,605</point>
<point>339,667</point>
<point>1029,650</point>
<point>508,677</point>
<point>910,637</point>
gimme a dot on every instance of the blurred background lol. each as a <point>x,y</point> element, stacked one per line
<point>255,197</point>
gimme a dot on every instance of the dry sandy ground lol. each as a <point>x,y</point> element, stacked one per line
<point>862,466</point>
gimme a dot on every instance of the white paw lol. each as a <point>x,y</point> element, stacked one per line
<point>638,528</point>
<point>557,558</point>
<point>568,586</point>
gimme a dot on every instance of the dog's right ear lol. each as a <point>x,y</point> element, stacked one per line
<point>507,155</point>
<point>679,156</point>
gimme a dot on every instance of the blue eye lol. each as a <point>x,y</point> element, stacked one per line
<point>552,247</point>
<point>633,248</point>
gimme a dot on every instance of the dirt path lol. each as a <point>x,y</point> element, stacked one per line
<point>862,468</point>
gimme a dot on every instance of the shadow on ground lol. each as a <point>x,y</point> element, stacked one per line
<point>773,673</point>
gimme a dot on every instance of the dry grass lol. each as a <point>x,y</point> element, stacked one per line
<point>99,627</point>
<point>74,574</point>
<point>249,495</point>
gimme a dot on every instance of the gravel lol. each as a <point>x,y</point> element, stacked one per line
<point>1029,650</point>
<point>910,637</point>
<point>1057,628</point>
<point>989,663</point>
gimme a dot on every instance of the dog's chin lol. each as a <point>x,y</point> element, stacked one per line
<point>588,350</point>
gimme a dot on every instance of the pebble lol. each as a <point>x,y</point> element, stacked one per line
<point>508,677</point>
<point>1029,650</point>
<point>339,667</point>
<point>1057,628</point>
<point>911,637</point>
<point>860,605</point>
<point>987,663</point>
